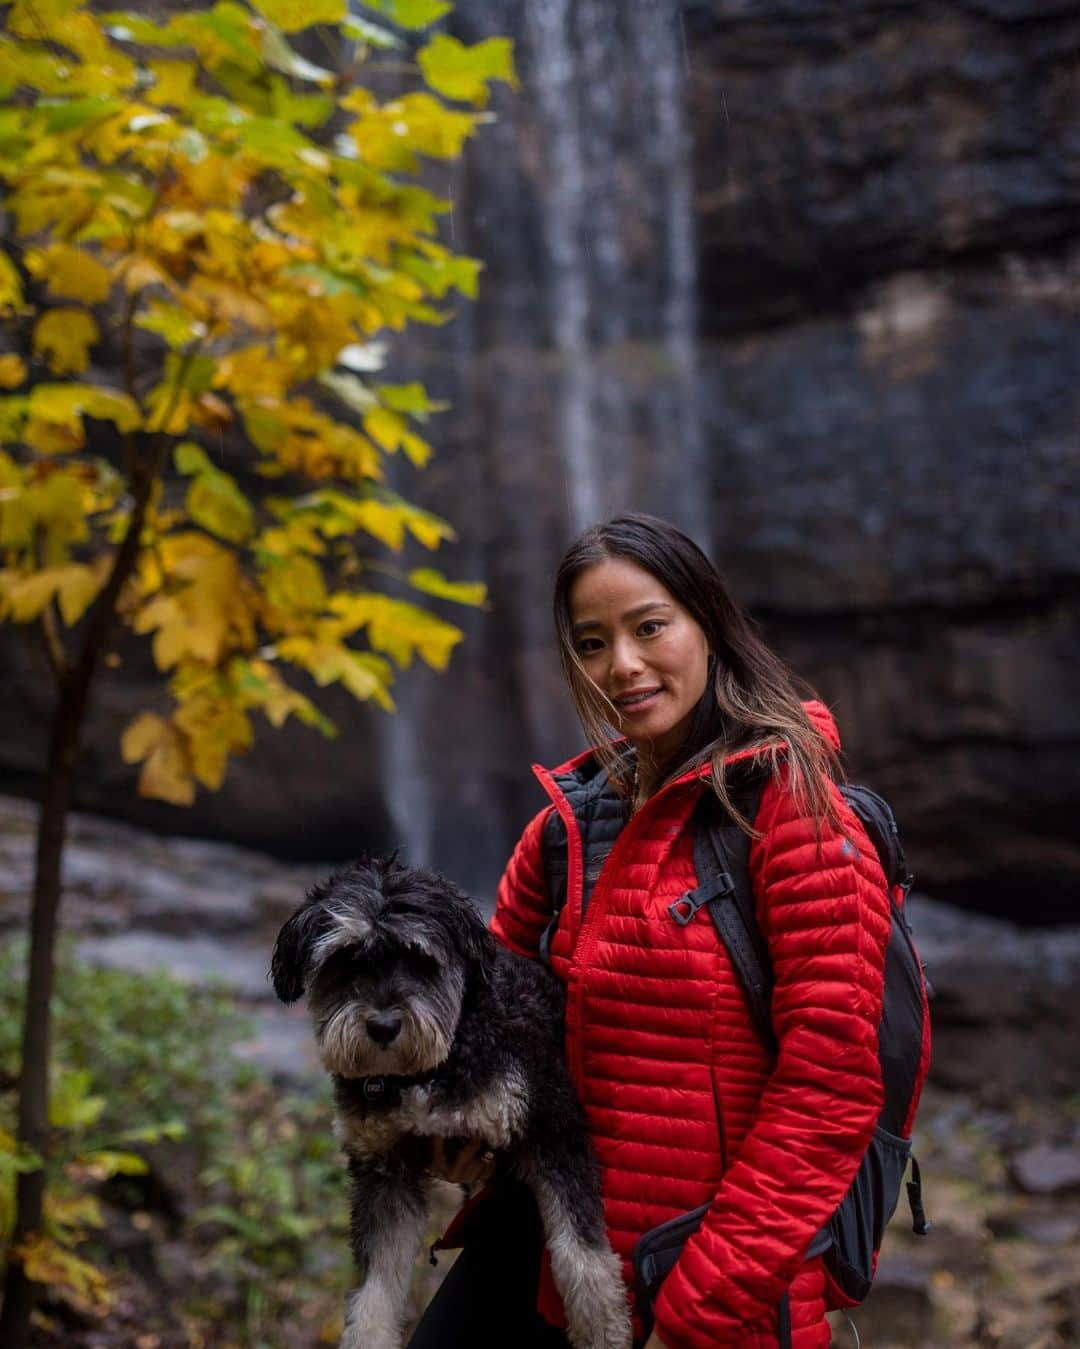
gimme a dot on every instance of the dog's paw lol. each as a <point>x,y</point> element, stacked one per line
<point>594,1295</point>
<point>372,1320</point>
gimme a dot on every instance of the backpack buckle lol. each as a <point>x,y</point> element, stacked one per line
<point>684,910</point>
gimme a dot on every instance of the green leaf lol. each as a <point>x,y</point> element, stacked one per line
<point>413,14</point>
<point>333,283</point>
<point>409,398</point>
<point>191,458</point>
<point>463,73</point>
<point>126,27</point>
<point>110,1163</point>
<point>171,322</point>
<point>230,24</point>
<point>198,374</point>
<point>65,114</point>
<point>310,110</point>
<point>71,1106</point>
<point>432,582</point>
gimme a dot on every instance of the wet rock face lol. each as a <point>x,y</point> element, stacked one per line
<point>801,278</point>
<point>839,144</point>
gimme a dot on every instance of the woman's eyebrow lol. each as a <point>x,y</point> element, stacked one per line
<point>635,612</point>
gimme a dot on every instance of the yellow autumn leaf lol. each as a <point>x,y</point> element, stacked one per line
<point>64,406</point>
<point>27,593</point>
<point>257,684</point>
<point>417,450</point>
<point>295,585</point>
<point>293,15</point>
<point>385,428</point>
<point>432,582</point>
<point>206,606</point>
<point>11,291</point>
<point>173,83</point>
<point>12,371</point>
<point>215,728</point>
<point>166,764</point>
<point>429,529</point>
<point>70,273</point>
<point>78,587</point>
<point>50,438</point>
<point>65,337</point>
<point>329,661</point>
<point>398,628</point>
<point>392,135</point>
<point>141,736</point>
<point>215,502</point>
<point>44,1261</point>
<point>167,773</point>
<point>381,521</point>
<point>17,515</point>
<point>74,585</point>
<point>59,503</point>
<point>137,272</point>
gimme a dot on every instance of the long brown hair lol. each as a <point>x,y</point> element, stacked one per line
<point>752,701</point>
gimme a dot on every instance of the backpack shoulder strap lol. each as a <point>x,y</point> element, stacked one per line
<point>722,863</point>
<point>553,843</point>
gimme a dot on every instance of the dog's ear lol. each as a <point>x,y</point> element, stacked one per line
<point>292,950</point>
<point>477,944</point>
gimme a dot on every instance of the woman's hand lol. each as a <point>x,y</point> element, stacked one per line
<point>472,1164</point>
<point>655,1342</point>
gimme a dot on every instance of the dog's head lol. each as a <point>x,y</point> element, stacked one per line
<point>385,954</point>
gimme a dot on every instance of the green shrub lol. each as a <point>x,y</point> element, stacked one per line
<point>144,1059</point>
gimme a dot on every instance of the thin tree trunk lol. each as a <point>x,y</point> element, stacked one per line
<point>20,1293</point>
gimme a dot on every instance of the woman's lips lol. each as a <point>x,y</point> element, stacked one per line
<point>638,701</point>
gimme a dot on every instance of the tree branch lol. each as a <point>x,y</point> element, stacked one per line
<point>50,629</point>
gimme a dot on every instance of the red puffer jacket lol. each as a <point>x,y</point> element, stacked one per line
<point>684,1103</point>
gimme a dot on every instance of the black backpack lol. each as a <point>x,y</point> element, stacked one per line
<point>850,1240</point>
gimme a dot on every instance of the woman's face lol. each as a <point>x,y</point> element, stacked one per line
<point>641,649</point>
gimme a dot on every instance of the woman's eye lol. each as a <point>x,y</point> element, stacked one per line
<point>650,627</point>
<point>588,646</point>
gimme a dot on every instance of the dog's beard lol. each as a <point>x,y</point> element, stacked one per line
<point>427,1032</point>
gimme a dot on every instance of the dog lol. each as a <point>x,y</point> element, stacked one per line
<point>430,1029</point>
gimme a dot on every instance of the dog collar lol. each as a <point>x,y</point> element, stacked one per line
<point>387,1091</point>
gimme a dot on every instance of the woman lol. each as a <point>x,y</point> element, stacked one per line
<point>687,1106</point>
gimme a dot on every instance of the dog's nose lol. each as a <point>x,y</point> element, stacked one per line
<point>384,1026</point>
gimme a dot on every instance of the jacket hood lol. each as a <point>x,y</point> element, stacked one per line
<point>821,719</point>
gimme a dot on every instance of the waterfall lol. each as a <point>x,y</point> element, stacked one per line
<point>607,83</point>
<point>556,82</point>
<point>659,36</point>
<point>574,390</point>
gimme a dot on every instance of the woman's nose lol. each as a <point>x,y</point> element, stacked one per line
<point>625,659</point>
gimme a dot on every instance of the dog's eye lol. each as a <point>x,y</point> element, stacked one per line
<point>345,965</point>
<point>420,963</point>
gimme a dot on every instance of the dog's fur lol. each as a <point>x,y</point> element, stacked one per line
<point>430,1029</point>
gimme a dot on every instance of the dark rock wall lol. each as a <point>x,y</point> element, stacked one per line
<point>803,277</point>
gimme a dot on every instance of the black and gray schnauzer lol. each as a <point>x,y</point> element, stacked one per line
<point>430,1029</point>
